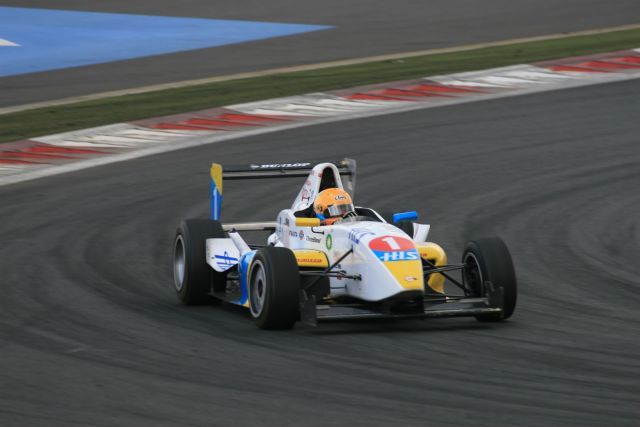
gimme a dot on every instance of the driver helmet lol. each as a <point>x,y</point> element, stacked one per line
<point>332,204</point>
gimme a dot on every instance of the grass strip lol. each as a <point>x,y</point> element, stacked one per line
<point>56,119</point>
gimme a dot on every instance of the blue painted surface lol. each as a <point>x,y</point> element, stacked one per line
<point>55,39</point>
<point>216,201</point>
<point>403,216</point>
<point>245,264</point>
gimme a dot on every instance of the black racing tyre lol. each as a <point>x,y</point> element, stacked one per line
<point>274,284</point>
<point>193,278</point>
<point>488,259</point>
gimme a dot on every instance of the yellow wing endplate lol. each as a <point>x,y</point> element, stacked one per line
<point>434,253</point>
<point>216,175</point>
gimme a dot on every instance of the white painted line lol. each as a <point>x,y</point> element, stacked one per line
<point>81,143</point>
<point>579,74</point>
<point>315,104</point>
<point>11,169</point>
<point>504,77</point>
<point>155,134</point>
<point>512,77</point>
<point>535,74</point>
<point>4,42</point>
<point>121,135</point>
<point>448,81</point>
<point>15,169</point>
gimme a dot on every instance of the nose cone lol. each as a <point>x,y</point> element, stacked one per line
<point>400,257</point>
<point>407,273</point>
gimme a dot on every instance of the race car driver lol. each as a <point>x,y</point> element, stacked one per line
<point>331,205</point>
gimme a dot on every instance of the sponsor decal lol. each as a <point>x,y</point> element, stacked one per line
<point>293,233</point>
<point>225,260</point>
<point>356,234</point>
<point>329,241</point>
<point>301,234</point>
<point>311,260</point>
<point>306,195</point>
<point>313,239</point>
<point>397,255</point>
<point>340,197</point>
<point>279,165</point>
<point>392,248</point>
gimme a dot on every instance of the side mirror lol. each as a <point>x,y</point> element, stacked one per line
<point>405,216</point>
<point>307,222</point>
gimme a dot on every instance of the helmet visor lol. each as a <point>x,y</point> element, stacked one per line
<point>340,210</point>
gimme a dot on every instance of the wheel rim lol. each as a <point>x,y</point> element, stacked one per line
<point>473,274</point>
<point>258,290</point>
<point>179,262</point>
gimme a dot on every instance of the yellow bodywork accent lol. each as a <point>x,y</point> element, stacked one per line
<point>434,253</point>
<point>307,222</point>
<point>311,258</point>
<point>408,273</point>
<point>216,176</point>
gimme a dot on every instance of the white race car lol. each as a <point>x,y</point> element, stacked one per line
<point>360,266</point>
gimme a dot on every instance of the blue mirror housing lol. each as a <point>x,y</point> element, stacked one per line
<point>405,216</point>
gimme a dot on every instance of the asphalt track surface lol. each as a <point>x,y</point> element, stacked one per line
<point>91,332</point>
<point>362,28</point>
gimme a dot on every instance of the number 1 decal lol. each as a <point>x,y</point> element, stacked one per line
<point>392,243</point>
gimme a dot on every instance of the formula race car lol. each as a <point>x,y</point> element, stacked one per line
<point>332,260</point>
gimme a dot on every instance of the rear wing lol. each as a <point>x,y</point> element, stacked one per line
<point>346,169</point>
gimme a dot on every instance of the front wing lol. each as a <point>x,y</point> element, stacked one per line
<point>431,307</point>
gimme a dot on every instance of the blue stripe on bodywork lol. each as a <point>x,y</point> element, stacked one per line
<point>55,39</point>
<point>216,201</point>
<point>245,264</point>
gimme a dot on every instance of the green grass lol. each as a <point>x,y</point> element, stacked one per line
<point>45,121</point>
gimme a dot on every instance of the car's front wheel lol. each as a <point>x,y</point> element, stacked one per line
<point>274,284</point>
<point>488,260</point>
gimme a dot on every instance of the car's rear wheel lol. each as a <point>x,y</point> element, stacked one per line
<point>274,284</point>
<point>488,260</point>
<point>193,278</point>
